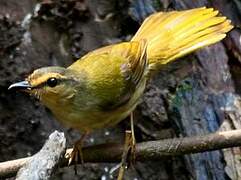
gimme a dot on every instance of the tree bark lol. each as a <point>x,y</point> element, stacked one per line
<point>42,165</point>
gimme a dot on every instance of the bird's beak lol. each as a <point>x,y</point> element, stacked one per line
<point>23,85</point>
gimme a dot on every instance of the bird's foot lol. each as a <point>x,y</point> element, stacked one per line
<point>124,157</point>
<point>129,151</point>
<point>128,155</point>
<point>76,155</point>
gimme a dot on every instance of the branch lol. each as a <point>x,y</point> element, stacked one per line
<point>42,164</point>
<point>146,151</point>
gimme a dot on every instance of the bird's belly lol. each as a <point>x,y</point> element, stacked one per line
<point>96,119</point>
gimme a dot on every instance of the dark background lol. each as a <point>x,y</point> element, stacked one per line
<point>195,95</point>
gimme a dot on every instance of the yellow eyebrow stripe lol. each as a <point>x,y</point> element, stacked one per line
<point>38,80</point>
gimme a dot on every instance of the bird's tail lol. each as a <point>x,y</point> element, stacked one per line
<point>171,35</point>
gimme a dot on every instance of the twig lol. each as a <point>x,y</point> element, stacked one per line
<point>10,168</point>
<point>152,150</point>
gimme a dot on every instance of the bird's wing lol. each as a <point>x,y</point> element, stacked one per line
<point>114,72</point>
<point>136,62</point>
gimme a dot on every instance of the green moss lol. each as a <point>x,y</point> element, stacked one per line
<point>181,90</point>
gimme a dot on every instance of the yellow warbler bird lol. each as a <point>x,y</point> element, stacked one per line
<point>104,86</point>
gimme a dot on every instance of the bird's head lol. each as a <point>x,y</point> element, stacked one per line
<point>49,84</point>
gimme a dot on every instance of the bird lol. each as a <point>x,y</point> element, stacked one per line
<point>104,86</point>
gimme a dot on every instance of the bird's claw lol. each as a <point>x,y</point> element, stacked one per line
<point>75,155</point>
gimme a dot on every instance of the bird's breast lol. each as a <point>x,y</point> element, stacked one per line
<point>88,119</point>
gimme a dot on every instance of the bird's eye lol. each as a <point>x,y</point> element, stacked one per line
<point>52,82</point>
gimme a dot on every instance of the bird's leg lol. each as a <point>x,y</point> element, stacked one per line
<point>76,152</point>
<point>126,149</point>
<point>129,146</point>
<point>133,140</point>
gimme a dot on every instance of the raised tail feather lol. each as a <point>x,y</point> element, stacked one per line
<point>171,35</point>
